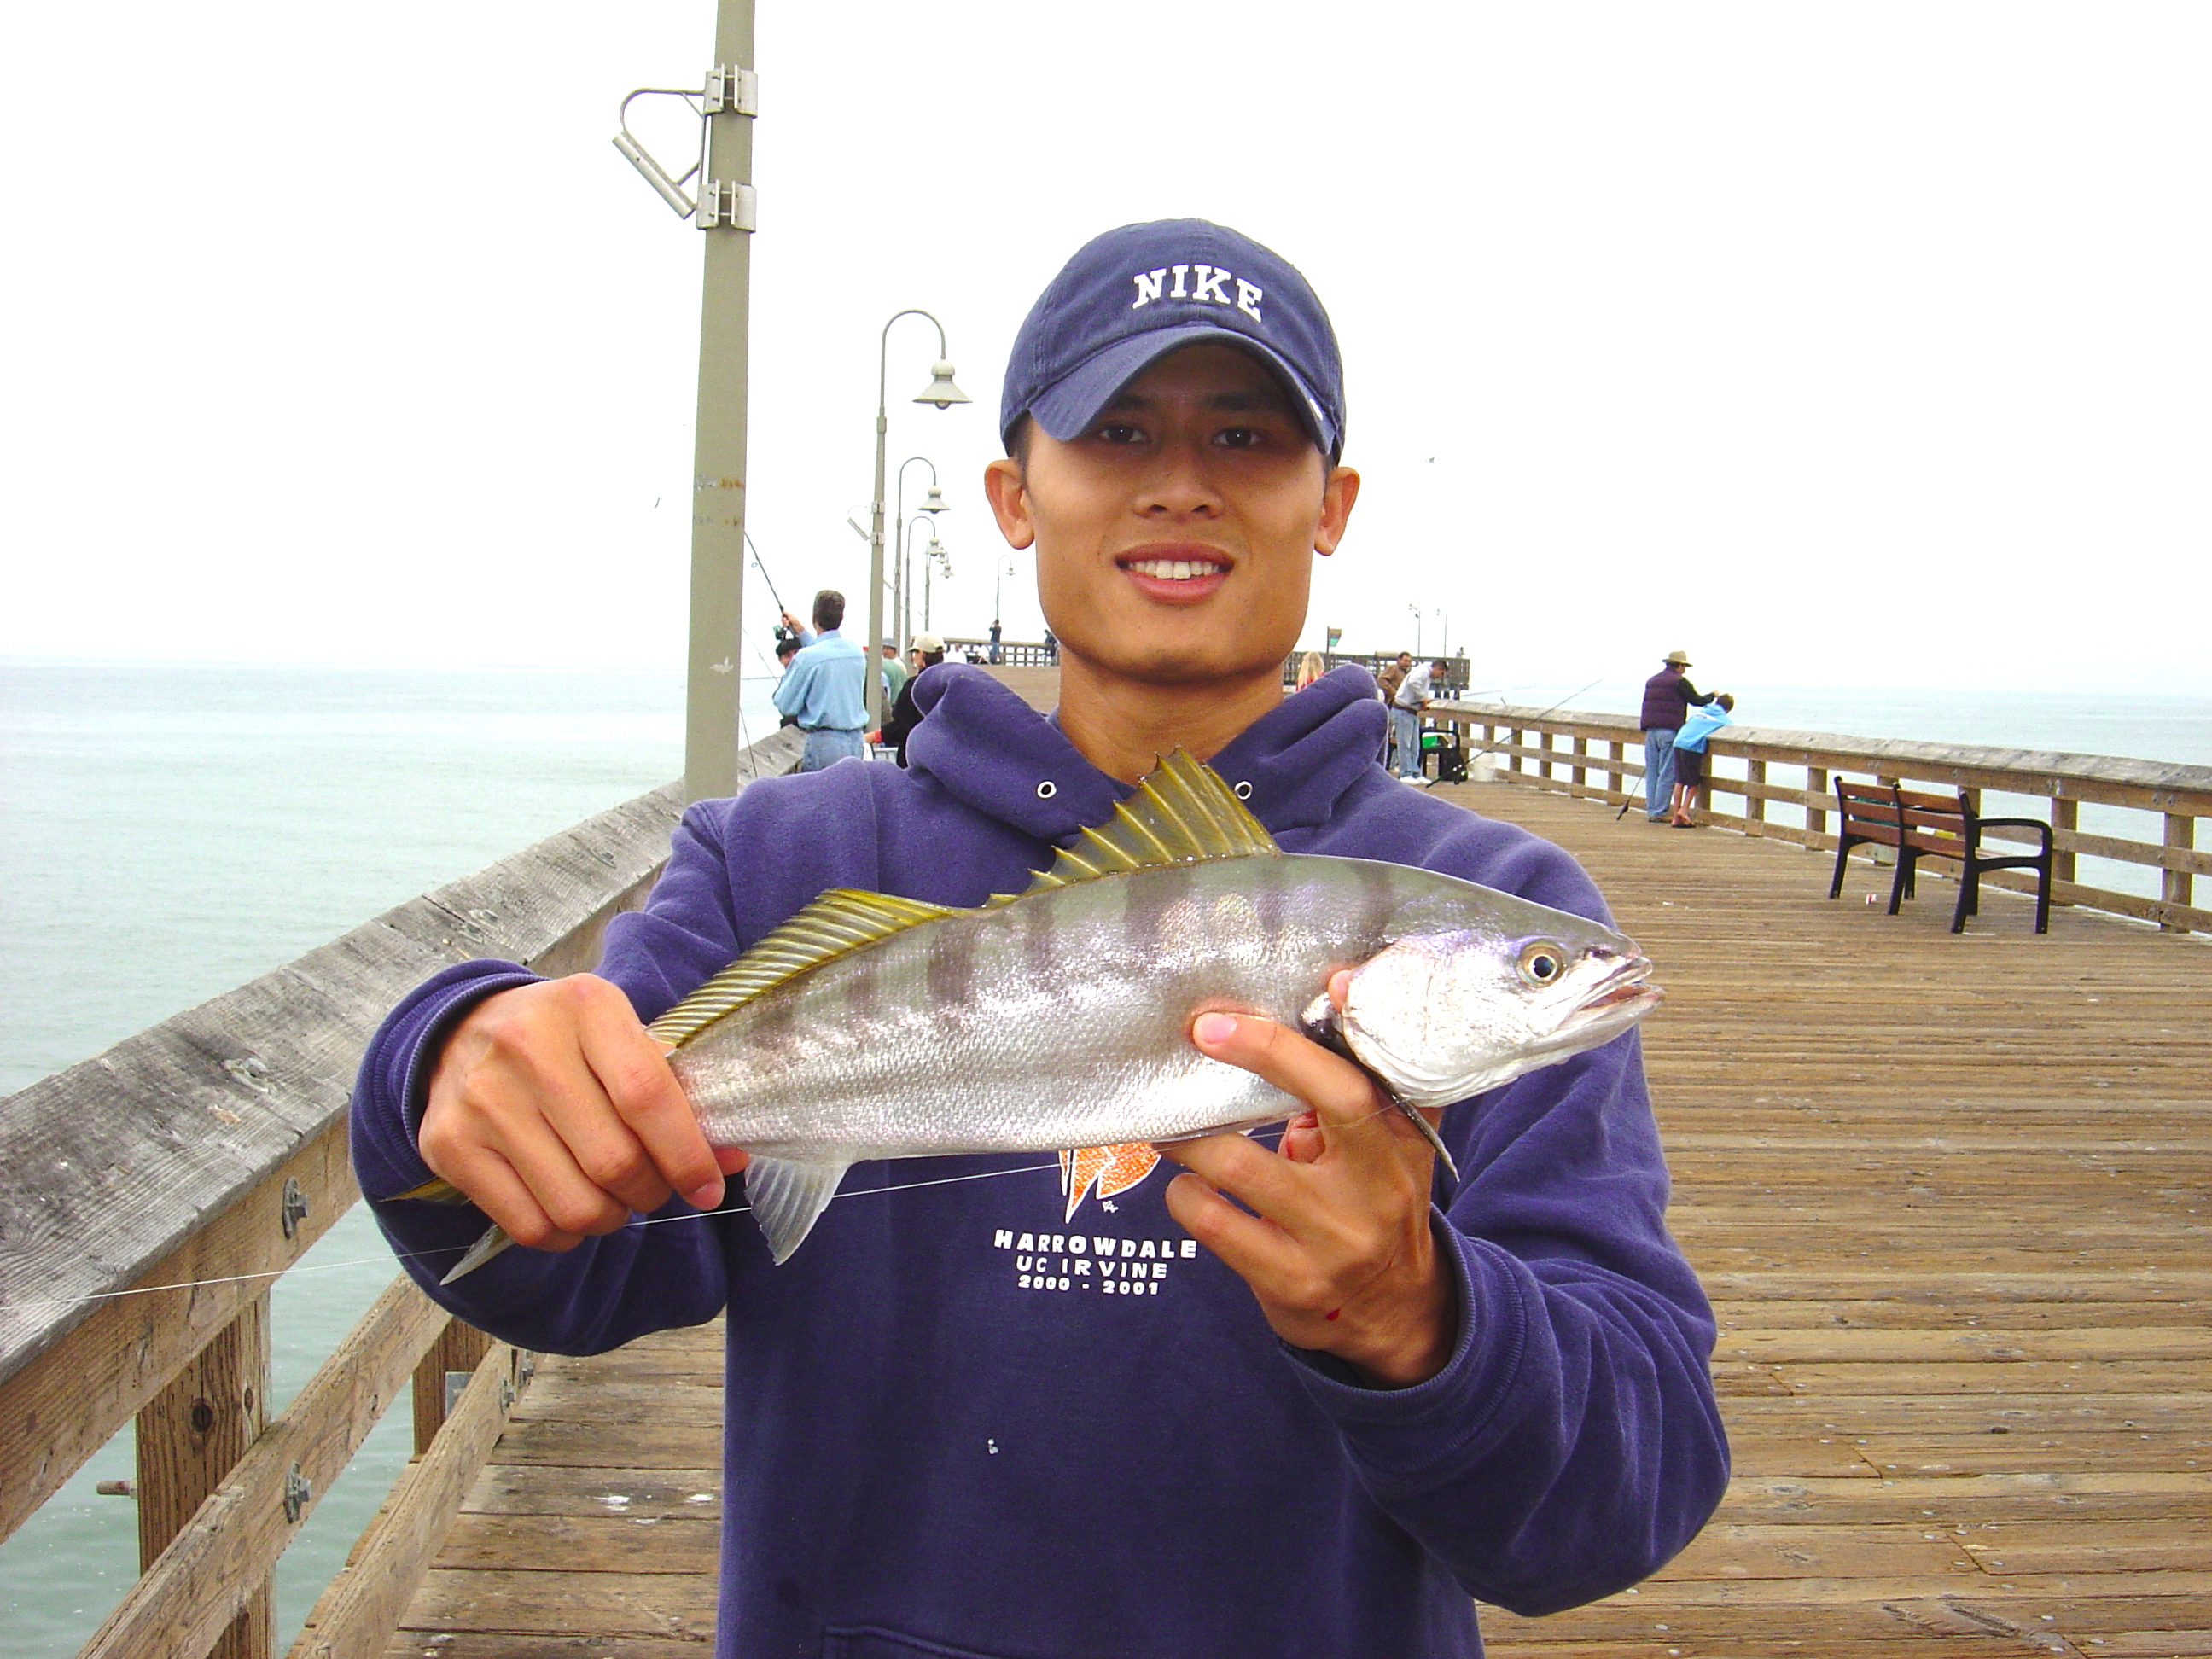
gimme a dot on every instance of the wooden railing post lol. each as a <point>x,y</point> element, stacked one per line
<point>190,1436</point>
<point>1615,780</point>
<point>2177,884</point>
<point>1754,797</point>
<point>1816,817</point>
<point>461,1347</point>
<point>1578,773</point>
<point>2065,819</point>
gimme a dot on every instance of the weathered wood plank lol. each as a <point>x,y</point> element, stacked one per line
<point>206,1575</point>
<point>354,1617</point>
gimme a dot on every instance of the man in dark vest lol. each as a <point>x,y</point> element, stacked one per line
<point>1666,699</point>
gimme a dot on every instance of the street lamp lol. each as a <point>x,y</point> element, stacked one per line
<point>941,391</point>
<point>1005,567</point>
<point>1416,610</point>
<point>901,601</point>
<point>934,550</point>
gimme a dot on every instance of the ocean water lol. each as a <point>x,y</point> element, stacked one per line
<point>168,831</point>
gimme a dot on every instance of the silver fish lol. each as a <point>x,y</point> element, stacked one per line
<point>876,1027</point>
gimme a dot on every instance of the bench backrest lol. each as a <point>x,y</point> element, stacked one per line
<point>1869,811</point>
<point>1941,824</point>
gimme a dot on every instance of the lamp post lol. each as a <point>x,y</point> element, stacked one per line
<point>941,391</point>
<point>1005,568</point>
<point>1416,610</point>
<point>902,601</point>
<point>935,553</point>
<point>934,550</point>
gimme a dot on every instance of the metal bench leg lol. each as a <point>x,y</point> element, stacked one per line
<point>1970,895</point>
<point>1901,884</point>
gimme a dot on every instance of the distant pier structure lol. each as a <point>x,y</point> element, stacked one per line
<point>1952,1195</point>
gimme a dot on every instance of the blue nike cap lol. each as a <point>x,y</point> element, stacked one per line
<point>1131,296</point>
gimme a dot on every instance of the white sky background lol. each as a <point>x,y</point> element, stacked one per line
<point>1826,343</point>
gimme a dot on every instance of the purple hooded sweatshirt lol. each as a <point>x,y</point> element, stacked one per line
<point>961,1423</point>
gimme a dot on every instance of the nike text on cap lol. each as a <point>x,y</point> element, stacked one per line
<point>1132,296</point>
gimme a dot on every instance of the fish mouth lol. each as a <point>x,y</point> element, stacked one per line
<point>1625,986</point>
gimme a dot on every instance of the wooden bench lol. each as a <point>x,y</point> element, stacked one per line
<point>1920,826</point>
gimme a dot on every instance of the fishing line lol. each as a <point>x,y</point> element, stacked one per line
<point>635,1223</point>
<point>1491,749</point>
<point>417,1256</point>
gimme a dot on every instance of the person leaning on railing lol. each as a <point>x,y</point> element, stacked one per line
<point>1667,699</point>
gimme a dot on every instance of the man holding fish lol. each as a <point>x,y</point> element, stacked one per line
<point>1305,1397</point>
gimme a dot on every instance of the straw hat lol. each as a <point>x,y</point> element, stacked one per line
<point>1677,658</point>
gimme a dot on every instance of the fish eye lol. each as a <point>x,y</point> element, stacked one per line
<point>1543,961</point>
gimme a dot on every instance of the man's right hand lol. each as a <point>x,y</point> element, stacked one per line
<point>556,1111</point>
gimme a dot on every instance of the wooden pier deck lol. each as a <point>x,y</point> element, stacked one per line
<point>1952,1196</point>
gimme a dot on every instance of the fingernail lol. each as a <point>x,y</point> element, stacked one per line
<point>1213,1028</point>
<point>707,1196</point>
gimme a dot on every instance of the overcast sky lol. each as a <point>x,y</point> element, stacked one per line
<point>1823,342</point>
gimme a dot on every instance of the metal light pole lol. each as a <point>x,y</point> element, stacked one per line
<point>1416,610</point>
<point>718,462</point>
<point>901,601</point>
<point>933,553</point>
<point>941,391</point>
<point>934,550</point>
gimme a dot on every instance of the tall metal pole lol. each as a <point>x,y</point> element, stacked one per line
<point>718,481</point>
<point>874,684</point>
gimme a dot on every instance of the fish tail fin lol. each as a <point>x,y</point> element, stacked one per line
<point>435,1190</point>
<point>494,1240</point>
<point>788,1196</point>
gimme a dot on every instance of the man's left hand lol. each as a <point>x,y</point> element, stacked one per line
<point>1338,1249</point>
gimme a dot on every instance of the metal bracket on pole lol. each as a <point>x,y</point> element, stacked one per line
<point>725,203</point>
<point>730,89</point>
<point>722,204</point>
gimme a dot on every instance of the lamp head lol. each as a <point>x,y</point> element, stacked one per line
<point>935,501</point>
<point>940,390</point>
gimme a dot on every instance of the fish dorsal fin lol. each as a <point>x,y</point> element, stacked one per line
<point>1181,813</point>
<point>842,921</point>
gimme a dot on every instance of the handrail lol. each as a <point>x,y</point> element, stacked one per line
<point>150,1196</point>
<point>1523,740</point>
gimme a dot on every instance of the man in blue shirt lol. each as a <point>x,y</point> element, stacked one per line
<point>825,687</point>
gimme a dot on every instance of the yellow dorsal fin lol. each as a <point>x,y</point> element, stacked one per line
<point>1181,813</point>
<point>842,921</point>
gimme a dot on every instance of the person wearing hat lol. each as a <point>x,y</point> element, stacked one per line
<point>925,651</point>
<point>1306,1397</point>
<point>1667,699</point>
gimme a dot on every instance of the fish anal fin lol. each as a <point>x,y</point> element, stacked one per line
<point>1181,813</point>
<point>788,1197</point>
<point>842,920</point>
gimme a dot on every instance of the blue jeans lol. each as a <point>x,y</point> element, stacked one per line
<point>828,744</point>
<point>1658,772</point>
<point>1406,732</point>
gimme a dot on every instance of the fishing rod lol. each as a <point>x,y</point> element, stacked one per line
<point>1491,749</point>
<point>780,608</point>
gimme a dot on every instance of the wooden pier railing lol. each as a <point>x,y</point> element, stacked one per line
<point>150,1195</point>
<point>1783,785</point>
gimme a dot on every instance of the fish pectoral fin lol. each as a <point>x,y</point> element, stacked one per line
<point>1429,1134</point>
<point>788,1196</point>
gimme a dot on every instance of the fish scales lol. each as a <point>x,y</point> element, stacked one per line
<point>933,1040</point>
